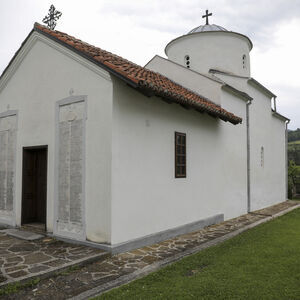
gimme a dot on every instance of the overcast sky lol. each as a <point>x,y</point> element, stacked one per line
<point>139,29</point>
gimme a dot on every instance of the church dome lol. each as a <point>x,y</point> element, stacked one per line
<point>208,27</point>
<point>210,46</point>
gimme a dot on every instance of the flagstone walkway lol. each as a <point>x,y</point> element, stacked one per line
<point>110,271</point>
<point>21,259</point>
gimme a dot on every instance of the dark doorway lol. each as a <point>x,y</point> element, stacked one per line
<point>34,192</point>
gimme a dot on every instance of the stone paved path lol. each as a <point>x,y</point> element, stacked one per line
<point>20,259</point>
<point>64,286</point>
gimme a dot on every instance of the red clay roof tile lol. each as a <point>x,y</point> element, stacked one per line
<point>146,81</point>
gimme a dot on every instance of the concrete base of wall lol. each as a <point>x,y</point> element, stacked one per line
<point>150,239</point>
<point>6,223</point>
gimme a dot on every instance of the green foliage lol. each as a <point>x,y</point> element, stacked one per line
<point>294,146</point>
<point>294,135</point>
<point>15,287</point>
<point>261,263</point>
<point>293,178</point>
<point>294,152</point>
<point>69,270</point>
<point>293,171</point>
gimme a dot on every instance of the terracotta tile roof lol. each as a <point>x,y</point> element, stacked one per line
<point>148,82</point>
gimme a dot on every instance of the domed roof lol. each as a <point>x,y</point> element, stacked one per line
<point>209,27</point>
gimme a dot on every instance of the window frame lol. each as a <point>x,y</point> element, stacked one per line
<point>182,144</point>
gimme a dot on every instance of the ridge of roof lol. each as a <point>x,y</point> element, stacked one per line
<point>147,82</point>
<point>258,84</point>
<point>250,80</point>
<point>208,76</point>
<point>277,114</point>
<point>211,76</point>
<point>232,89</point>
<point>236,92</point>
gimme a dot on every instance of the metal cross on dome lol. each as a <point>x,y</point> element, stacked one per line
<point>206,16</point>
<point>52,17</point>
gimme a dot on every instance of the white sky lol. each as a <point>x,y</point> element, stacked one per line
<point>139,29</point>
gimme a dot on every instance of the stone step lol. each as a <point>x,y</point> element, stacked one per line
<point>24,235</point>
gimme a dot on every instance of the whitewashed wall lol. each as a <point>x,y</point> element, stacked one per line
<point>267,176</point>
<point>45,76</point>
<point>212,50</point>
<point>188,78</point>
<point>130,186</point>
<point>267,181</point>
<point>146,197</point>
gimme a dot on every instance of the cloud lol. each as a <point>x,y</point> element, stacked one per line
<point>139,29</point>
<point>277,66</point>
<point>288,103</point>
<point>280,63</point>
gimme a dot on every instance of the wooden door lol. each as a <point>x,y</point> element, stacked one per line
<point>34,192</point>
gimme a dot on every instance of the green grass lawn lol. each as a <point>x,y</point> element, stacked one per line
<point>262,263</point>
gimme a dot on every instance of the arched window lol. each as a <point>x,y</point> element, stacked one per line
<point>244,61</point>
<point>187,61</point>
<point>262,156</point>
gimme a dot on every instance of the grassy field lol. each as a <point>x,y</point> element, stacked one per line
<point>294,142</point>
<point>262,263</point>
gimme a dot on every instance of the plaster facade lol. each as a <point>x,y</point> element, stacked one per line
<point>121,142</point>
<point>267,145</point>
<point>267,153</point>
<point>223,50</point>
<point>46,74</point>
<point>144,189</point>
<point>189,78</point>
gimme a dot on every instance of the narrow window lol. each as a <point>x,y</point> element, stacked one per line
<point>244,61</point>
<point>262,154</point>
<point>180,155</point>
<point>187,61</point>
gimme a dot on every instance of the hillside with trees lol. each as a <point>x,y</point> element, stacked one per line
<point>294,162</point>
<point>294,135</point>
<point>294,152</point>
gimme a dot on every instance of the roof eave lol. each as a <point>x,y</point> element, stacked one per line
<point>188,104</point>
<point>136,83</point>
<point>16,54</point>
<point>216,71</point>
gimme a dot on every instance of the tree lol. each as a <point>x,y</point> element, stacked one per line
<point>294,135</point>
<point>294,153</point>
<point>293,174</point>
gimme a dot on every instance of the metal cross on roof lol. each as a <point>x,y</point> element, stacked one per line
<point>206,16</point>
<point>52,17</point>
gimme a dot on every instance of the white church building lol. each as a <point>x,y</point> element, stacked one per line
<point>101,150</point>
